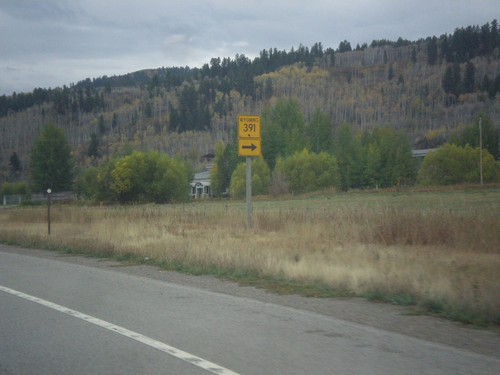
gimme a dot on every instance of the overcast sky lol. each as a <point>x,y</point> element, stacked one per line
<point>49,43</point>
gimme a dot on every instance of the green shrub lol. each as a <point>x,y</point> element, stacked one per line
<point>452,164</point>
<point>139,177</point>
<point>306,171</point>
<point>261,178</point>
<point>14,188</point>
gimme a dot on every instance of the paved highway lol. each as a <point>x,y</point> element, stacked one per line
<point>59,317</point>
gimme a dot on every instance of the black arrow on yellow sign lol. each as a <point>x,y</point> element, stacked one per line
<point>251,147</point>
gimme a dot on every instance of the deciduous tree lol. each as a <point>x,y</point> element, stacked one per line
<point>351,158</point>
<point>470,136</point>
<point>283,130</point>
<point>149,177</point>
<point>452,164</point>
<point>319,133</point>
<point>306,171</point>
<point>51,161</point>
<point>261,177</point>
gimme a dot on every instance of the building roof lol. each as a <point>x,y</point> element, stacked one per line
<point>201,176</point>
<point>422,153</point>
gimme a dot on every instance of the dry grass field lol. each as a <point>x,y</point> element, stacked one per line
<point>438,250</point>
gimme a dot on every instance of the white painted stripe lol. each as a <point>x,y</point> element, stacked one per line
<point>187,357</point>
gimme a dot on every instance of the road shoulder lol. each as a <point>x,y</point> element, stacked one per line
<point>398,319</point>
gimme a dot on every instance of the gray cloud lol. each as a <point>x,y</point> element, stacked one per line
<point>56,42</point>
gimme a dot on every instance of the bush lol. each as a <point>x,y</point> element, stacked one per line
<point>452,164</point>
<point>17,188</point>
<point>306,171</point>
<point>139,177</point>
<point>87,186</point>
<point>261,178</point>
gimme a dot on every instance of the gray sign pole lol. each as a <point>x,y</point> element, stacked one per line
<point>249,193</point>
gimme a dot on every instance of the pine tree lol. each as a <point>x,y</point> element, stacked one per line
<point>432,51</point>
<point>468,83</point>
<point>448,82</point>
<point>15,167</point>
<point>457,80</point>
<point>93,150</point>
<point>414,55</point>
<point>390,72</point>
<point>102,126</point>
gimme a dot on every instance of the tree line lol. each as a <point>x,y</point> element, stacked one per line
<point>299,158</point>
<point>238,73</point>
<point>299,154</point>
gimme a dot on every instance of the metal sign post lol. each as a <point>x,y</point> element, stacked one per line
<point>249,145</point>
<point>49,191</point>
<point>249,193</point>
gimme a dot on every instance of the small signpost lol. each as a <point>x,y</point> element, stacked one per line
<point>249,145</point>
<point>49,191</point>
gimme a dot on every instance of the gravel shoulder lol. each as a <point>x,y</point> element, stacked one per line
<point>399,319</point>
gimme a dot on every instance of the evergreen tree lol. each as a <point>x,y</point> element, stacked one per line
<point>15,167</point>
<point>432,51</point>
<point>390,72</point>
<point>102,126</point>
<point>452,81</point>
<point>469,80</point>
<point>344,46</point>
<point>414,55</point>
<point>268,89</point>
<point>226,160</point>
<point>51,161</point>
<point>457,80</point>
<point>448,81</point>
<point>93,150</point>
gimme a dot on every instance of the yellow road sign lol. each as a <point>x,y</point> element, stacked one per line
<point>249,127</point>
<point>249,147</point>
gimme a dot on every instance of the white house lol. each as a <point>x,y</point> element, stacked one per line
<point>200,185</point>
<point>422,153</point>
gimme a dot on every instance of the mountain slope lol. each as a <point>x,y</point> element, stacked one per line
<point>436,84</point>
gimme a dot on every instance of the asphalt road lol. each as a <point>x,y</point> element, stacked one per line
<point>60,317</point>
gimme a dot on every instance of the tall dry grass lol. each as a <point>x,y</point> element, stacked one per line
<point>438,248</point>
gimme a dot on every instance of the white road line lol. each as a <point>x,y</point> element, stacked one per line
<point>187,357</point>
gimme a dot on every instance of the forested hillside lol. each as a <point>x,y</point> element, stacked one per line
<point>431,89</point>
